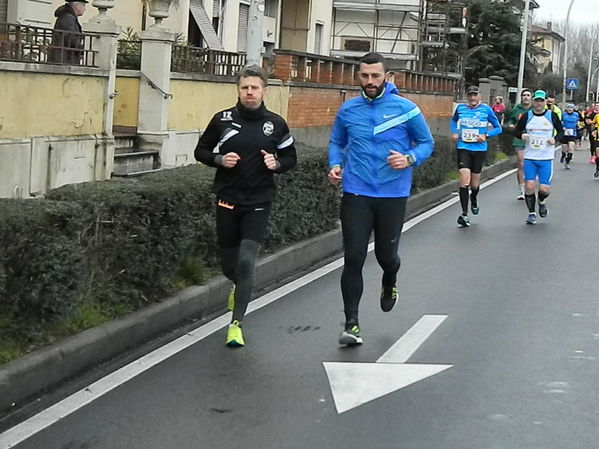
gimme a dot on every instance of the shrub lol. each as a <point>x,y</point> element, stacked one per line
<point>40,262</point>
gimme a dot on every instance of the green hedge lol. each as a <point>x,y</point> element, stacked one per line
<point>121,244</point>
<point>90,252</point>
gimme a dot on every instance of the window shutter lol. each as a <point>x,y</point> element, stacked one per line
<point>242,29</point>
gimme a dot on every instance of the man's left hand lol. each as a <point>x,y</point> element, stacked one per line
<point>397,161</point>
<point>269,160</point>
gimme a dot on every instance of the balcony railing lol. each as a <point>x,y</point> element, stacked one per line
<point>308,68</point>
<point>304,67</point>
<point>203,60</point>
<point>23,43</point>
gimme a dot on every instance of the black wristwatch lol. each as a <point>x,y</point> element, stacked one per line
<point>410,159</point>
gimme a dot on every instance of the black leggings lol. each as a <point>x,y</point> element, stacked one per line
<point>360,215</point>
<point>240,231</point>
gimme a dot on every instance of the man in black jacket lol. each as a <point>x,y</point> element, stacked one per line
<point>252,143</point>
<point>67,39</point>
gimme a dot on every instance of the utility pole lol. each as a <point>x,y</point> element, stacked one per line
<point>565,61</point>
<point>586,98</point>
<point>254,35</point>
<point>523,49</point>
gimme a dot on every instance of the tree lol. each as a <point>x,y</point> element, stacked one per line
<point>494,40</point>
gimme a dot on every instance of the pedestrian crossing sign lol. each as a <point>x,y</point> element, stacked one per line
<point>572,83</point>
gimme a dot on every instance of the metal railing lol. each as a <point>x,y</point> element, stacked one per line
<point>203,60</point>
<point>24,43</point>
<point>129,55</point>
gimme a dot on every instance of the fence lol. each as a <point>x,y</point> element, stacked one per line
<point>23,43</point>
<point>206,61</point>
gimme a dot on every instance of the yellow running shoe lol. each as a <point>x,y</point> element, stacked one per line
<point>235,335</point>
<point>231,300</point>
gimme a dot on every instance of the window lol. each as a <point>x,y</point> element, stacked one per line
<point>318,32</point>
<point>270,8</point>
<point>3,10</point>
<point>242,27</point>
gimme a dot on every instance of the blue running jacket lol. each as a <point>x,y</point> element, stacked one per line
<point>365,131</point>
<point>468,123</point>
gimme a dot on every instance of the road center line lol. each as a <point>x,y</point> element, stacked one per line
<point>71,404</point>
<point>407,345</point>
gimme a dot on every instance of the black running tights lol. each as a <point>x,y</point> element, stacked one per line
<point>360,215</point>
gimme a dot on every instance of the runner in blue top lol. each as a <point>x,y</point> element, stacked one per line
<point>376,139</point>
<point>570,120</point>
<point>470,129</point>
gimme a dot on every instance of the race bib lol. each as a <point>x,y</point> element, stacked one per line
<point>568,132</point>
<point>538,142</point>
<point>470,135</point>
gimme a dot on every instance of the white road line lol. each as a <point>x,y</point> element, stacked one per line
<point>69,405</point>
<point>409,342</point>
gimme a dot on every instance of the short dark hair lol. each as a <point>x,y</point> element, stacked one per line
<point>551,96</point>
<point>373,58</point>
<point>526,89</point>
<point>251,70</point>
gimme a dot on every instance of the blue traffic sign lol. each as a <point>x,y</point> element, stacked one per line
<point>572,83</point>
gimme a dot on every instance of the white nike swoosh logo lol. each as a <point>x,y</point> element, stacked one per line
<point>389,116</point>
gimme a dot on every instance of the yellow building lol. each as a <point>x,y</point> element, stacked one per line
<point>548,44</point>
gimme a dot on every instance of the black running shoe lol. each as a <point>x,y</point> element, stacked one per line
<point>351,335</point>
<point>464,221</point>
<point>388,298</point>
<point>563,158</point>
<point>542,210</point>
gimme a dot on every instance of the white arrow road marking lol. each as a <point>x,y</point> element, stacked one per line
<point>354,384</point>
<point>407,345</point>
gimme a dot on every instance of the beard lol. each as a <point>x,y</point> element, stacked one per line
<point>379,90</point>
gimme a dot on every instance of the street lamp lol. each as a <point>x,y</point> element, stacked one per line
<point>566,52</point>
<point>523,48</point>
<point>586,98</point>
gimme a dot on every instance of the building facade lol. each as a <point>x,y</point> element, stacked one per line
<point>547,44</point>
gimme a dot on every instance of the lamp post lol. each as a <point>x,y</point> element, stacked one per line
<point>566,52</point>
<point>523,48</point>
<point>586,98</point>
<point>594,99</point>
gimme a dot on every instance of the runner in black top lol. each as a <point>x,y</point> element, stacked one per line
<point>252,143</point>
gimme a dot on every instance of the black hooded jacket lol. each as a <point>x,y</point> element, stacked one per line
<point>67,40</point>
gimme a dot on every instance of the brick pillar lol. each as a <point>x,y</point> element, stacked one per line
<point>349,74</point>
<point>315,70</point>
<point>282,67</point>
<point>337,72</point>
<point>326,73</point>
<point>400,80</point>
<point>300,62</point>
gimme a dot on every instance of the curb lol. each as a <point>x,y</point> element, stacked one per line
<point>36,373</point>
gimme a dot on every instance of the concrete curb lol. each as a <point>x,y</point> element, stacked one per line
<point>38,372</point>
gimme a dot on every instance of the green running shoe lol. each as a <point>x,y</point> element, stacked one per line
<point>351,335</point>
<point>388,298</point>
<point>235,335</point>
<point>231,300</point>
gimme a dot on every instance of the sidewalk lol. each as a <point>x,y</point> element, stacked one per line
<point>40,371</point>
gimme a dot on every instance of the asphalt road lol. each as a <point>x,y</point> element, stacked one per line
<point>519,335</point>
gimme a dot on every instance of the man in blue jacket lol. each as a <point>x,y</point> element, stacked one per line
<point>469,128</point>
<point>376,139</point>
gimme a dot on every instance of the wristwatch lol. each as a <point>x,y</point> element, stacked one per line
<point>410,159</point>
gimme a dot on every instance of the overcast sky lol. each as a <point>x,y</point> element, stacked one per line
<point>583,11</point>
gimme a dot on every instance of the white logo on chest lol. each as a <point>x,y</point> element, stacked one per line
<point>268,128</point>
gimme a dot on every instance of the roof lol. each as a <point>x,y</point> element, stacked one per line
<point>537,30</point>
